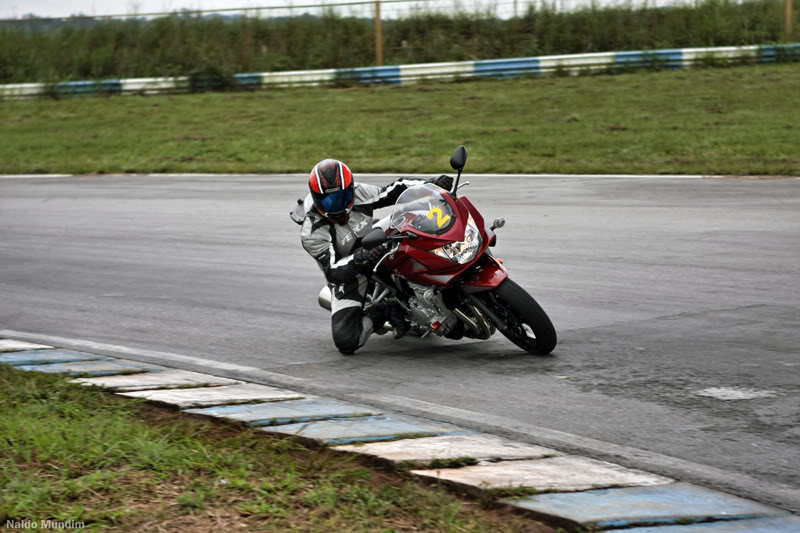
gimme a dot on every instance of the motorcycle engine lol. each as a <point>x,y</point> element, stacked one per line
<point>427,308</point>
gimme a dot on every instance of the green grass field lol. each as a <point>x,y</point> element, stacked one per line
<point>68,453</point>
<point>730,121</point>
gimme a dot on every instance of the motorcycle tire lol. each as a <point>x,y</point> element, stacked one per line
<point>518,308</point>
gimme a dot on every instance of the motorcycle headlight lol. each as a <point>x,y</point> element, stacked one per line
<point>464,251</point>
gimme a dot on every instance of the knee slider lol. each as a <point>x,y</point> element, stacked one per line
<point>347,335</point>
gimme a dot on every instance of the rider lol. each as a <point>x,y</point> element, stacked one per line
<point>338,214</point>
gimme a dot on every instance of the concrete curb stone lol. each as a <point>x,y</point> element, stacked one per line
<point>422,452</point>
<point>207,396</point>
<point>166,379</point>
<point>9,345</point>
<point>552,474</point>
<point>676,503</point>
<point>46,356</point>
<point>334,431</point>
<point>104,366</point>
<point>287,411</point>
<point>783,524</point>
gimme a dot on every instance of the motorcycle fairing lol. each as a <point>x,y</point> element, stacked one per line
<point>415,262</point>
<point>485,276</point>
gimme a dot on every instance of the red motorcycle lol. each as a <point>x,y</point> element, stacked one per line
<point>441,272</point>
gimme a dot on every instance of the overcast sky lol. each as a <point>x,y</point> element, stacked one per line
<point>56,8</point>
<point>63,8</point>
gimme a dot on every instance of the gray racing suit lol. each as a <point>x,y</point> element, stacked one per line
<point>332,246</point>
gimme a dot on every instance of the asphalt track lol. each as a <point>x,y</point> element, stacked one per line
<point>659,288</point>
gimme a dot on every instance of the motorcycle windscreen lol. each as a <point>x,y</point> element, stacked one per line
<point>424,209</point>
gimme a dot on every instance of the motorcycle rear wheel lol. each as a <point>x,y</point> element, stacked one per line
<point>523,315</point>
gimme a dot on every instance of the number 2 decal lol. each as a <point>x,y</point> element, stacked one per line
<point>441,220</point>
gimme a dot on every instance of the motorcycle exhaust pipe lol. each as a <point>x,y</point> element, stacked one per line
<point>499,322</point>
<point>468,321</point>
<point>324,298</point>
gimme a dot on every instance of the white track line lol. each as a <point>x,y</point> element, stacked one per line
<point>185,362</point>
<point>396,174</point>
<point>34,176</point>
<point>363,175</point>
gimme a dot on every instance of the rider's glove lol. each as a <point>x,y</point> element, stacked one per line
<point>444,181</point>
<point>365,257</point>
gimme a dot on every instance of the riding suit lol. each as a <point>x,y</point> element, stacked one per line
<point>335,247</point>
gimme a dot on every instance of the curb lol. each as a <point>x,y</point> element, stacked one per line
<point>564,490</point>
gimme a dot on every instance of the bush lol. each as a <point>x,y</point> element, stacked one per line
<point>217,47</point>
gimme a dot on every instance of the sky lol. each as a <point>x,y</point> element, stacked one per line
<point>55,8</point>
<point>63,8</point>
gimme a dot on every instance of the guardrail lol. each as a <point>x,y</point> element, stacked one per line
<point>611,62</point>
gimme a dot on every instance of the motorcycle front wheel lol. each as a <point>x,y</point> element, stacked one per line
<point>527,325</point>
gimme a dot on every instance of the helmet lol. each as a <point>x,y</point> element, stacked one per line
<point>332,189</point>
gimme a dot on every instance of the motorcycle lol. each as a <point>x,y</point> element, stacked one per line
<point>441,272</point>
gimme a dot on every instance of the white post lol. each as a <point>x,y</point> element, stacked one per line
<point>378,34</point>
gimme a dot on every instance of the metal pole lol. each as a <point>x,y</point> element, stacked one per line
<point>515,8</point>
<point>789,20</point>
<point>378,34</point>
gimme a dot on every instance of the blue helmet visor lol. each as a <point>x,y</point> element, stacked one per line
<point>337,202</point>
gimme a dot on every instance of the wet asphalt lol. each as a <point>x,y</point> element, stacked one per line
<point>659,289</point>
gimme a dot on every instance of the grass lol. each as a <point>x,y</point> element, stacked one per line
<point>730,121</point>
<point>72,453</point>
<point>453,462</point>
<point>512,492</point>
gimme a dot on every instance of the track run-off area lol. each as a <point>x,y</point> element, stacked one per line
<point>676,301</point>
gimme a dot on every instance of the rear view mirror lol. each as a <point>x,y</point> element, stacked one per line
<point>298,214</point>
<point>374,239</point>
<point>459,158</point>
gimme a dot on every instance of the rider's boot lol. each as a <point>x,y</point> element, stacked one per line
<point>398,321</point>
<point>379,314</point>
